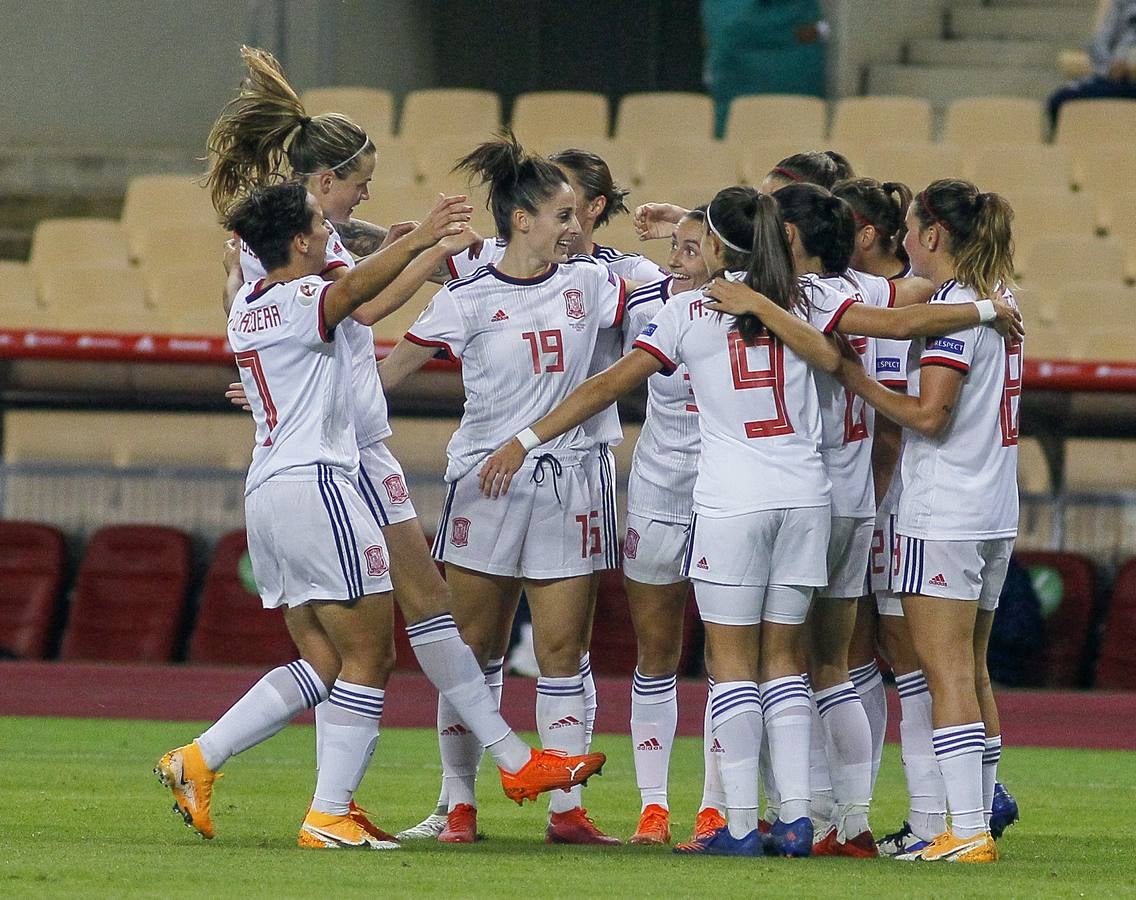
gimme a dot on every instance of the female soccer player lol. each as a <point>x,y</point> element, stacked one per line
<point>958,512</point>
<point>525,329</point>
<point>262,135</point>
<point>757,542</point>
<point>659,501</point>
<point>811,167</point>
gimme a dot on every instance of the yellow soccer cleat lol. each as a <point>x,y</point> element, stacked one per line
<point>184,772</point>
<point>321,831</point>
<point>978,848</point>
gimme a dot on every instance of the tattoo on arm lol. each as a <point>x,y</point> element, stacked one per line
<point>361,238</point>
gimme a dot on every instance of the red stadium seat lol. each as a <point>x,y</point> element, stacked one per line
<point>130,596</point>
<point>232,628</point>
<point>31,574</point>
<point>1068,628</point>
<point>1116,667</point>
<point>614,650</point>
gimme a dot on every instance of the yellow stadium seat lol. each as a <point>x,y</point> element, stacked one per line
<point>164,201</point>
<point>372,109</point>
<point>1104,169</point>
<point>1039,214</point>
<point>1097,318</point>
<point>1012,169</point>
<point>186,296</point>
<point>758,158</point>
<point>1100,465</point>
<point>90,243</point>
<point>858,121</point>
<point>396,204</point>
<point>395,165</point>
<point>622,157</point>
<point>916,164</point>
<point>19,304</point>
<point>620,233</point>
<point>437,112</point>
<point>421,442</point>
<point>98,299</point>
<point>1052,262</point>
<point>540,114</point>
<point>685,192</point>
<point>1033,470</point>
<point>1096,122</point>
<point>704,160</point>
<point>642,116</point>
<point>761,117</point>
<point>975,121</point>
<point>202,244</point>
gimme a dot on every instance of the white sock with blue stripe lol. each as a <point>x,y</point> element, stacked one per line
<point>451,666</point>
<point>788,712</point>
<point>735,713</point>
<point>351,731</point>
<point>927,812</point>
<point>991,756</point>
<point>822,806</point>
<point>560,723</point>
<point>590,699</point>
<point>266,707</point>
<point>959,749</point>
<point>713,797</point>
<point>654,718</point>
<point>870,685</point>
<point>848,745</point>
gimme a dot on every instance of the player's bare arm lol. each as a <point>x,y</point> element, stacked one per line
<point>928,413</point>
<point>654,221</point>
<point>593,395</point>
<point>815,348</point>
<point>449,216</point>
<point>360,237</point>
<point>234,278</point>
<point>405,359</point>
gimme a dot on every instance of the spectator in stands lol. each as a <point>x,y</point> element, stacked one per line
<point>1112,53</point>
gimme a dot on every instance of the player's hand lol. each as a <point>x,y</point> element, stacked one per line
<point>237,396</point>
<point>466,239</point>
<point>654,221</point>
<point>396,231</point>
<point>498,471</point>
<point>1008,320</point>
<point>232,257</point>
<point>449,216</point>
<point>851,373</point>
<point>732,297</point>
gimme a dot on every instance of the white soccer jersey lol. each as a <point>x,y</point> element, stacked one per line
<point>962,485</point>
<point>462,264</point>
<point>847,420</point>
<point>525,344</point>
<point>665,462</point>
<point>372,419</point>
<point>758,413</point>
<point>298,380</point>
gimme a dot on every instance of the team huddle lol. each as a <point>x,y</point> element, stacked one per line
<point>816,533</point>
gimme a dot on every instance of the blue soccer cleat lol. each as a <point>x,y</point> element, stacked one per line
<point>1003,811</point>
<point>721,843</point>
<point>790,838</point>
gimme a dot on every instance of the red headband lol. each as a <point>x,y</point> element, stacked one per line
<point>925,202</point>
<point>864,222</point>
<point>787,173</point>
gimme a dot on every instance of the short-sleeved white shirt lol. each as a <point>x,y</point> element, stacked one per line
<point>297,377</point>
<point>525,344</point>
<point>758,412</point>
<point>962,485</point>
<point>665,462</point>
<point>372,418</point>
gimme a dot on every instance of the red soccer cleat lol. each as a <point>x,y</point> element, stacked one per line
<point>574,827</point>
<point>461,825</point>
<point>862,846</point>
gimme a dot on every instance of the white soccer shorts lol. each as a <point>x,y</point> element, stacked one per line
<point>653,551</point>
<point>314,540</point>
<point>849,548</point>
<point>544,527</point>
<point>955,570</point>
<point>599,467</point>
<point>382,485</point>
<point>743,604</point>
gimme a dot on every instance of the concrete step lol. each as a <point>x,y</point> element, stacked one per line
<point>1059,23</point>
<point>942,84</point>
<point>983,52</point>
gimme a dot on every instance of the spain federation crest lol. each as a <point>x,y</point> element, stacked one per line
<point>574,303</point>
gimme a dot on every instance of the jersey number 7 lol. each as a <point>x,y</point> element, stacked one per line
<point>250,359</point>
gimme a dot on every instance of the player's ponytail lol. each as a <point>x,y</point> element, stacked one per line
<point>824,223</point>
<point>812,167</point>
<point>264,135</point>
<point>729,218</point>
<point>979,228</point>
<point>516,179</point>
<point>594,176</point>
<point>883,206</point>
<point>771,266</point>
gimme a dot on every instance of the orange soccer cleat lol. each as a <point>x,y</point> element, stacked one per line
<point>708,821</point>
<point>356,812</point>
<point>977,849</point>
<point>184,772</point>
<point>574,827</point>
<point>323,831</point>
<point>549,770</point>
<point>654,826</point>
<point>461,825</point>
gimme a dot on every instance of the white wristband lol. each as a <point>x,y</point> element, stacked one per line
<point>986,311</point>
<point>528,439</point>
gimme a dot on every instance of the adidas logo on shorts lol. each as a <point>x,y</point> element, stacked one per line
<point>650,744</point>
<point>566,722</point>
<point>716,747</point>
<point>499,316</point>
<point>455,730</point>
<point>702,564</point>
<point>939,580</point>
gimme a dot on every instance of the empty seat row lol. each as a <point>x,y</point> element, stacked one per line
<point>639,116</point>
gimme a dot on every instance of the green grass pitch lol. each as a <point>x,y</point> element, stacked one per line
<point>81,815</point>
